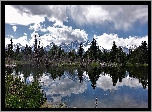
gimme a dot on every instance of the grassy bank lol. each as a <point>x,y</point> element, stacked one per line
<point>78,64</point>
<point>130,64</point>
<point>17,62</point>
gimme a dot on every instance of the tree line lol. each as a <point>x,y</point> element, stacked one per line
<point>57,56</point>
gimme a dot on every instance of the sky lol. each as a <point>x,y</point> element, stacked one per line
<point>124,24</point>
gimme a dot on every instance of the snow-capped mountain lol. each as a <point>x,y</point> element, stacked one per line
<point>48,47</point>
<point>75,45</point>
<point>126,48</point>
<point>86,43</point>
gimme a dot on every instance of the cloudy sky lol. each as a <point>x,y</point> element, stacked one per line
<point>125,24</point>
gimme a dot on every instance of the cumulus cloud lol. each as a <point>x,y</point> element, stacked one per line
<point>106,40</point>
<point>7,39</point>
<point>37,27</point>
<point>14,28</point>
<point>122,16</point>
<point>14,17</point>
<point>83,15</point>
<point>34,14</point>
<point>22,40</point>
<point>58,35</point>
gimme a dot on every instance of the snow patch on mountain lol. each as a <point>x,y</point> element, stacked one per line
<point>75,45</point>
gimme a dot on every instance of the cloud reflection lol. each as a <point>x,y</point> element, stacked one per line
<point>105,82</point>
<point>60,88</point>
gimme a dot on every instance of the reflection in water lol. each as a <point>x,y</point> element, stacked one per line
<point>93,76</point>
<point>114,87</point>
<point>58,88</point>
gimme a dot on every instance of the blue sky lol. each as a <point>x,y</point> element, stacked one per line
<point>126,25</point>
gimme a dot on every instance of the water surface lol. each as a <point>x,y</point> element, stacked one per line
<point>79,87</point>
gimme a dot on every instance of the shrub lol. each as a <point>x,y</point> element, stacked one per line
<point>20,95</point>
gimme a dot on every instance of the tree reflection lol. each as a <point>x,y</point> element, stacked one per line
<point>141,73</point>
<point>26,70</point>
<point>55,72</point>
<point>116,73</point>
<point>80,74</point>
<point>94,76</point>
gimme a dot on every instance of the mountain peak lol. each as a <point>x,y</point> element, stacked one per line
<point>75,45</point>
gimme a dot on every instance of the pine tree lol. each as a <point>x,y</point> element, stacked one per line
<point>113,52</point>
<point>17,53</point>
<point>144,54</point>
<point>80,53</point>
<point>10,51</point>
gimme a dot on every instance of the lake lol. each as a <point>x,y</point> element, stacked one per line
<point>123,87</point>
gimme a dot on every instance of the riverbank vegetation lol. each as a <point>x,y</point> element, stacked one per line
<point>21,95</point>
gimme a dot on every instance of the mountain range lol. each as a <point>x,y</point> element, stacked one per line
<point>75,45</point>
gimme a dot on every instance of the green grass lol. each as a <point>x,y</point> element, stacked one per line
<point>130,64</point>
<point>70,64</point>
<point>18,62</point>
<point>93,64</point>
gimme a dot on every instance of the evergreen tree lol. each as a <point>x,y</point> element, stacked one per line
<point>17,53</point>
<point>93,49</point>
<point>121,56</point>
<point>113,53</point>
<point>139,55</point>
<point>144,54</point>
<point>10,52</point>
<point>35,45</point>
<point>80,53</point>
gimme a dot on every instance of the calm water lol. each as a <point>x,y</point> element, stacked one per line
<point>113,87</point>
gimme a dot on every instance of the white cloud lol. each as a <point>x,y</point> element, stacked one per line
<point>14,28</point>
<point>14,17</point>
<point>37,27</point>
<point>22,40</point>
<point>106,40</point>
<point>63,34</point>
<point>123,16</point>
<point>7,40</point>
<point>58,23</point>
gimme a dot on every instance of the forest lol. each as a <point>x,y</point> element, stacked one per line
<point>56,56</point>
